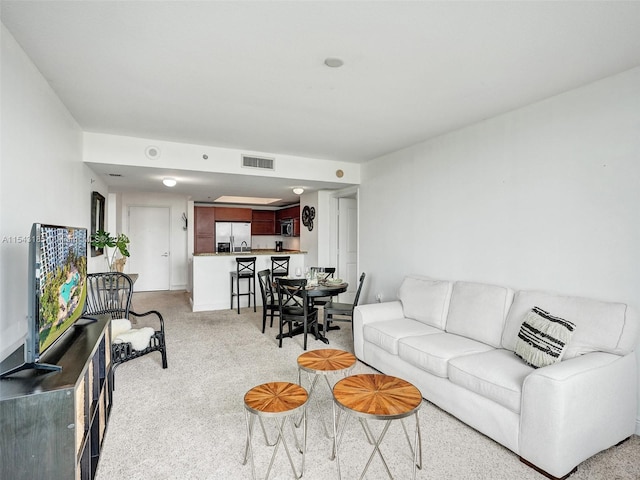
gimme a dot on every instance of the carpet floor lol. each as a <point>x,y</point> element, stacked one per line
<point>188,422</point>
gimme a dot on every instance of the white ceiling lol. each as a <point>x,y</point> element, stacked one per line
<point>250,75</point>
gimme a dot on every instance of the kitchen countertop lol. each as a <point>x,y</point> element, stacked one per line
<point>255,251</point>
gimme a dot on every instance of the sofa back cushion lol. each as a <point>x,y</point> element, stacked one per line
<point>478,311</point>
<point>425,299</point>
<point>600,326</point>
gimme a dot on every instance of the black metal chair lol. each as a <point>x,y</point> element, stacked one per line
<point>342,309</point>
<point>245,269</point>
<point>321,274</point>
<point>280,266</point>
<point>295,308</point>
<point>109,293</point>
<point>270,304</point>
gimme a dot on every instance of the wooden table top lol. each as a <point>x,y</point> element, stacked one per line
<point>381,396</point>
<point>275,398</point>
<point>326,360</point>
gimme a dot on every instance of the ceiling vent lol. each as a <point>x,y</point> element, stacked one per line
<point>258,162</point>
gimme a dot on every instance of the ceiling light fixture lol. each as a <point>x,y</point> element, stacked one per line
<point>298,190</point>
<point>169,182</point>
<point>333,62</point>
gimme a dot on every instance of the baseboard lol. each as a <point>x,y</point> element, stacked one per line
<point>178,287</point>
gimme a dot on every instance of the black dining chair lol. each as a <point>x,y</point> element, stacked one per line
<point>270,304</point>
<point>280,266</point>
<point>295,307</point>
<point>341,309</point>
<point>321,274</point>
<point>245,269</point>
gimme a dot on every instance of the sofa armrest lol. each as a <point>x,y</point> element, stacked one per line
<point>573,409</point>
<point>373,312</point>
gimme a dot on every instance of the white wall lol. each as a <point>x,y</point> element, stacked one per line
<point>178,241</point>
<point>544,197</point>
<point>42,178</point>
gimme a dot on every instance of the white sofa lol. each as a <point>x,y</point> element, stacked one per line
<point>455,342</point>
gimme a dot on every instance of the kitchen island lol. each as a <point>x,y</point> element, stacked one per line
<point>211,284</point>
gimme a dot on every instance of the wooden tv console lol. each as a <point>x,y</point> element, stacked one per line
<point>52,425</point>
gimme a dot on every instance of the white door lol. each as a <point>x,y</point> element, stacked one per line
<point>348,246</point>
<point>149,232</point>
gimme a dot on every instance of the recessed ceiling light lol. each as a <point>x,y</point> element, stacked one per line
<point>169,182</point>
<point>298,190</point>
<point>246,200</point>
<point>333,62</point>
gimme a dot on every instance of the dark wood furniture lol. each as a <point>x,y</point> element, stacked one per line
<point>263,222</point>
<point>270,305</point>
<point>343,310</point>
<point>245,270</point>
<point>295,308</point>
<point>204,228</point>
<point>53,425</point>
<point>280,266</point>
<point>378,397</point>
<point>313,292</point>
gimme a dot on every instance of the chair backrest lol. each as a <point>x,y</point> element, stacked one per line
<point>108,293</point>
<point>246,266</point>
<point>357,297</point>
<point>292,296</point>
<point>280,266</point>
<point>264,279</point>
<point>324,272</point>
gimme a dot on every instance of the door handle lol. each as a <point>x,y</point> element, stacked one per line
<point>165,254</point>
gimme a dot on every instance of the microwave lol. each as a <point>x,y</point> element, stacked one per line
<point>286,228</point>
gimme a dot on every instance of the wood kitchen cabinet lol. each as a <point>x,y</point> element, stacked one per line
<point>263,222</point>
<point>204,226</point>
<point>230,214</point>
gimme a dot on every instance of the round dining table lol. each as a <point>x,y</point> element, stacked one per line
<point>324,289</point>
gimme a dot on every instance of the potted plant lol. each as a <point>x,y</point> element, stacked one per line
<point>119,243</point>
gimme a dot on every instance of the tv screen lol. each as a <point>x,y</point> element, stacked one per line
<point>58,273</point>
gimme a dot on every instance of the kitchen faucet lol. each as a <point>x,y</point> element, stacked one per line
<point>244,245</point>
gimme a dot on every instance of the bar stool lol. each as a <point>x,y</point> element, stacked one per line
<point>280,266</point>
<point>245,269</point>
<point>281,401</point>
<point>324,362</point>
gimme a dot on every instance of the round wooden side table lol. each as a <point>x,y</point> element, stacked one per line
<point>323,363</point>
<point>377,397</point>
<point>281,401</point>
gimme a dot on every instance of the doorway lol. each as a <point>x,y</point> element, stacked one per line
<point>149,232</point>
<point>347,243</point>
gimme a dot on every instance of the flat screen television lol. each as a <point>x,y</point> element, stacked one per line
<point>57,287</point>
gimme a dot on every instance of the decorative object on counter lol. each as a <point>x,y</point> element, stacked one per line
<point>120,243</point>
<point>308,214</point>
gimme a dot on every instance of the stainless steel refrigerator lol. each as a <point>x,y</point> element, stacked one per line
<point>237,234</point>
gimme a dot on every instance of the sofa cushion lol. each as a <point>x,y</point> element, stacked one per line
<point>386,333</point>
<point>543,338</point>
<point>497,375</point>
<point>432,353</point>
<point>478,311</point>
<point>425,299</point>
<point>600,326</point>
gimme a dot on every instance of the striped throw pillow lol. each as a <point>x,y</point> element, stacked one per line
<point>543,338</point>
